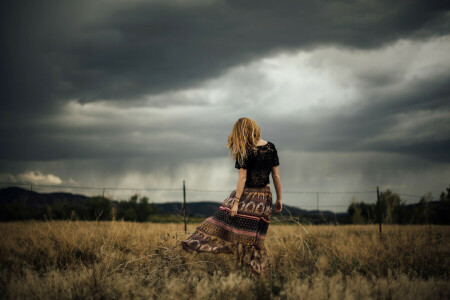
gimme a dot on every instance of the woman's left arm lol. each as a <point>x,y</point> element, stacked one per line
<point>239,190</point>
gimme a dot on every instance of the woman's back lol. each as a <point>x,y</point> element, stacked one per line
<point>259,165</point>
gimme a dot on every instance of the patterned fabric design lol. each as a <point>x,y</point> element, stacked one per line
<point>259,165</point>
<point>243,234</point>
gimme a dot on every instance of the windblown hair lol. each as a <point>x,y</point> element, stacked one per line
<point>243,139</point>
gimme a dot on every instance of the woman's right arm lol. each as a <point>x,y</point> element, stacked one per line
<point>277,183</point>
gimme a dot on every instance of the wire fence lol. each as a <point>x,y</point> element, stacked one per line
<point>317,200</point>
<point>311,202</point>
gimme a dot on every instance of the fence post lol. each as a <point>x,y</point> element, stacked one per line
<point>379,208</point>
<point>318,213</point>
<point>103,196</point>
<point>31,187</point>
<point>184,206</point>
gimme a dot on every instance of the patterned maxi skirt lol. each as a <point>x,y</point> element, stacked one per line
<point>243,234</point>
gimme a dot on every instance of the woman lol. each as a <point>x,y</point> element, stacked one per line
<point>240,224</point>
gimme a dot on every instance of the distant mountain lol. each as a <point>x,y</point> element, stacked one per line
<point>34,201</point>
<point>21,204</point>
<point>37,200</point>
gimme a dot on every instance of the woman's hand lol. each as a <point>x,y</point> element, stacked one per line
<point>278,206</point>
<point>234,208</point>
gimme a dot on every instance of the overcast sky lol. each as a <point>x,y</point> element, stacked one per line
<point>143,94</point>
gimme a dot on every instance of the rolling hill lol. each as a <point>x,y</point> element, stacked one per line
<point>34,201</point>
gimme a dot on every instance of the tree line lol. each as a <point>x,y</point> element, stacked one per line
<point>98,208</point>
<point>393,210</point>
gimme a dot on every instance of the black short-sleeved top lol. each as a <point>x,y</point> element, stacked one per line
<point>259,165</point>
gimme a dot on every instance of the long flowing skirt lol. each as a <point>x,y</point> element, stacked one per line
<point>243,234</point>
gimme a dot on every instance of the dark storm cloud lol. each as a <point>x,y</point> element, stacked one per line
<point>352,131</point>
<point>58,50</point>
<point>55,51</point>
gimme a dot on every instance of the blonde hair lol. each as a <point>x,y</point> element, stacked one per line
<point>243,139</point>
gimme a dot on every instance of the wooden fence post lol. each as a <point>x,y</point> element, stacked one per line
<point>318,213</point>
<point>184,206</point>
<point>379,208</point>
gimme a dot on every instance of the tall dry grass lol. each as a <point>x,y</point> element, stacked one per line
<point>124,260</point>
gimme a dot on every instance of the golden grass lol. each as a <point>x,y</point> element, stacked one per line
<point>124,260</point>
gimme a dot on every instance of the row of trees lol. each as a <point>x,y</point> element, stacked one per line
<point>100,208</point>
<point>92,208</point>
<point>393,210</point>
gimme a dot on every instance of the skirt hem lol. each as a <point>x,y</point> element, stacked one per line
<point>222,233</point>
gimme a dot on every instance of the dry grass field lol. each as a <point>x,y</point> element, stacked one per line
<point>125,260</point>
